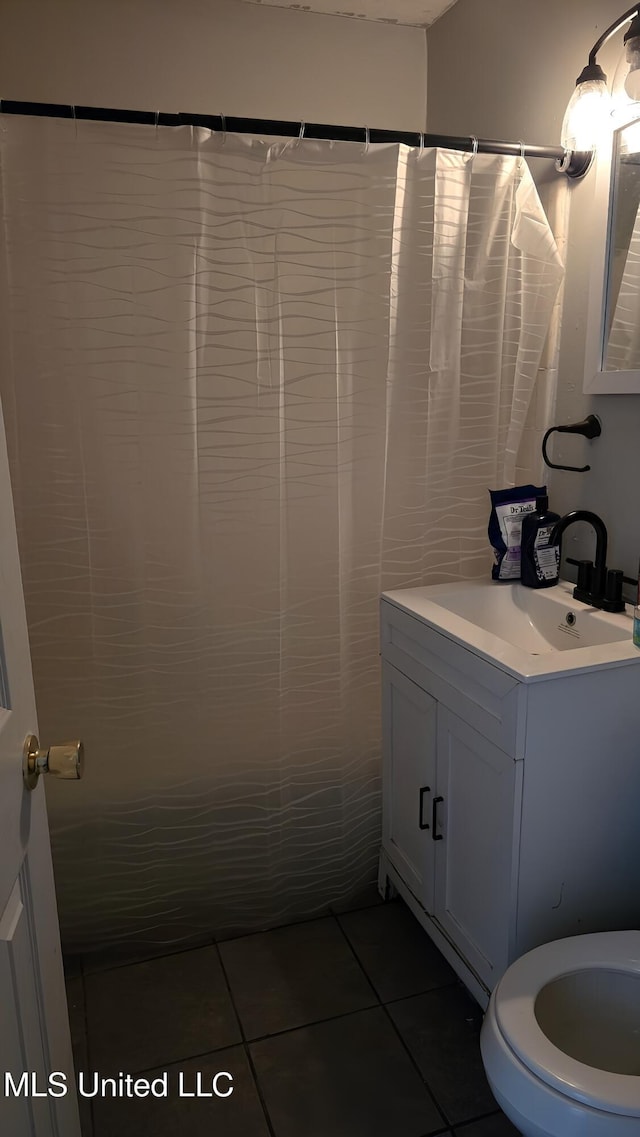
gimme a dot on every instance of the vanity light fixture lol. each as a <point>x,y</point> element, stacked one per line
<point>590,103</point>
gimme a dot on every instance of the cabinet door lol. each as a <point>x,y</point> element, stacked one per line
<point>409,770</point>
<point>474,887</point>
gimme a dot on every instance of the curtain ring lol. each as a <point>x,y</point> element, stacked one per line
<point>300,135</point>
<point>223,128</point>
<point>421,150</point>
<point>474,151</point>
<point>157,122</point>
<point>366,140</point>
<point>522,154</point>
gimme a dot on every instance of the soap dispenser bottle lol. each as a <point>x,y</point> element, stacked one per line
<point>540,561</point>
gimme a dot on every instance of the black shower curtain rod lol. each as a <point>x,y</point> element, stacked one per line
<point>315,130</point>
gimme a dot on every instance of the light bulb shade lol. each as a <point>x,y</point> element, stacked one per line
<point>585,116</point>
<point>632,81</point>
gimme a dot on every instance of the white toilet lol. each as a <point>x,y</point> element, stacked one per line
<point>561,1038</point>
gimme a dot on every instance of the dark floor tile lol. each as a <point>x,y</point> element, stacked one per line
<point>162,1011</point>
<point>349,1077</point>
<point>495,1126</point>
<point>240,1115</point>
<point>442,1031</point>
<point>293,976</point>
<point>395,951</point>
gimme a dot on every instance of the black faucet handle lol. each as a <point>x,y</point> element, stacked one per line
<point>612,600</point>
<point>585,570</point>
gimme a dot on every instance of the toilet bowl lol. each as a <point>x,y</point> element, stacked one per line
<point>560,1040</point>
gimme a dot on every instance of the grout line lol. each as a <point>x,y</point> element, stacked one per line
<point>85,1019</point>
<point>359,961</point>
<point>414,1063</point>
<point>245,1046</point>
<point>142,959</point>
<point>461,1126</point>
<point>256,1080</point>
<point>315,1022</point>
<point>277,928</point>
<point>168,1063</point>
<point>230,994</point>
<point>423,991</point>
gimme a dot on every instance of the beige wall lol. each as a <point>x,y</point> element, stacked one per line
<point>212,57</point>
<point>505,69</point>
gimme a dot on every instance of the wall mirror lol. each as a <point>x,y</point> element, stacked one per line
<point>612,364</point>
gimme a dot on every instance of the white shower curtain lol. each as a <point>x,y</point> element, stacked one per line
<point>248,384</point>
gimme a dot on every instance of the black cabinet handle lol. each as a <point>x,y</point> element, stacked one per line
<point>423,824</point>
<point>434,808</point>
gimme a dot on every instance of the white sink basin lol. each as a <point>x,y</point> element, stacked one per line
<point>533,619</point>
<point>529,632</point>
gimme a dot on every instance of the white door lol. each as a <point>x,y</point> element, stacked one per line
<point>476,858</point>
<point>409,773</point>
<point>34,1028</point>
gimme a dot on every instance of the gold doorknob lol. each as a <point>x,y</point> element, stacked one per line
<point>66,760</point>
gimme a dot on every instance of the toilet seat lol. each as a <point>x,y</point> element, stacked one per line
<point>514,1000</point>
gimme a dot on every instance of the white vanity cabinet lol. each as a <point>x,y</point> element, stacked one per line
<point>449,807</point>
<point>409,726</point>
<point>474,843</point>
<point>507,816</point>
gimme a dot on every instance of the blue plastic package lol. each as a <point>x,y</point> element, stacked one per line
<point>508,507</point>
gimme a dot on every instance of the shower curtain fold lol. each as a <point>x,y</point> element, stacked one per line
<point>263,381</point>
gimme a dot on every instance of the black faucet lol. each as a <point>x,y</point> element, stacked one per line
<point>597,585</point>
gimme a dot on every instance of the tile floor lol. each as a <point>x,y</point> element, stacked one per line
<point>351,1025</point>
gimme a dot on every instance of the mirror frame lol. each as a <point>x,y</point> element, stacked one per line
<point>597,381</point>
